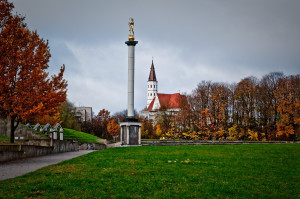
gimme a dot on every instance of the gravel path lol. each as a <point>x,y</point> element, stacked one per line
<point>20,167</point>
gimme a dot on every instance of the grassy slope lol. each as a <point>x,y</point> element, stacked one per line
<point>70,134</point>
<point>235,171</point>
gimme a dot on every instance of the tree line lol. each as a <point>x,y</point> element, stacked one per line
<point>252,109</point>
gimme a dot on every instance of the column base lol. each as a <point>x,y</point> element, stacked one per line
<point>130,133</point>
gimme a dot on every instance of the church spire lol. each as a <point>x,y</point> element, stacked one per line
<point>152,76</point>
<point>152,85</point>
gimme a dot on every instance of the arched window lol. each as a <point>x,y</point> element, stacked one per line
<point>154,86</point>
<point>150,86</point>
<point>150,94</point>
<point>154,94</point>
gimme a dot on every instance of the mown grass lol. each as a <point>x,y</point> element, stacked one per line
<point>70,134</point>
<point>230,171</point>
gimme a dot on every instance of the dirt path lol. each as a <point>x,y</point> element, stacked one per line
<point>20,167</point>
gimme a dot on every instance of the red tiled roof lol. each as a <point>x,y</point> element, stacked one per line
<point>152,76</point>
<point>150,107</point>
<point>170,101</point>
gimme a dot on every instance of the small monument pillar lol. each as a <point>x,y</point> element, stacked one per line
<point>131,129</point>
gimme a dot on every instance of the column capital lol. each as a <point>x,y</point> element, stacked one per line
<point>131,43</point>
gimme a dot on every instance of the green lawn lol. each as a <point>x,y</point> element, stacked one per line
<point>230,171</point>
<point>70,134</point>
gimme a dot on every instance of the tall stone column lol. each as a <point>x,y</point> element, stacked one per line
<point>131,57</point>
<point>130,128</point>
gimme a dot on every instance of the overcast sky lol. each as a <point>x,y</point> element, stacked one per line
<point>191,41</point>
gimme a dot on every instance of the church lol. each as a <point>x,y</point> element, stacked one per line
<point>155,101</point>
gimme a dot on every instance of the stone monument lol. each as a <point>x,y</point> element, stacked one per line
<point>130,129</point>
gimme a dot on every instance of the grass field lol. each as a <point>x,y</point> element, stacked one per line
<point>230,171</point>
<point>70,134</point>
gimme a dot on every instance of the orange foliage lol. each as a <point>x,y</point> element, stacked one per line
<point>287,96</point>
<point>220,134</point>
<point>158,130</point>
<point>113,128</point>
<point>51,119</point>
<point>25,88</point>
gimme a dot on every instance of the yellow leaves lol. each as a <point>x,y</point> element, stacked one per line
<point>233,133</point>
<point>283,129</point>
<point>186,161</point>
<point>173,133</point>
<point>191,134</point>
<point>253,135</point>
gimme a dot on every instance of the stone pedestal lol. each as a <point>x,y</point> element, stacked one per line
<point>130,133</point>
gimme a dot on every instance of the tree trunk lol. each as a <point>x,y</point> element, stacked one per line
<point>12,129</point>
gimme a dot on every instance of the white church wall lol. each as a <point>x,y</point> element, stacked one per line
<point>156,104</point>
<point>152,91</point>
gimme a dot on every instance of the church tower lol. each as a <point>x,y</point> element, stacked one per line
<point>152,85</point>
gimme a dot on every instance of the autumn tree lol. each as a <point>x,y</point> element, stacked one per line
<point>245,96</point>
<point>98,126</point>
<point>113,128</point>
<point>200,101</point>
<point>165,118</point>
<point>26,90</point>
<point>287,96</point>
<point>267,104</point>
<point>183,118</point>
<point>219,105</point>
<point>148,129</point>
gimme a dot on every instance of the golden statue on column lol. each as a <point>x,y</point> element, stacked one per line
<point>131,32</point>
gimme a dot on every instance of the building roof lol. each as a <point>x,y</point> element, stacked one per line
<point>152,76</point>
<point>170,101</point>
<point>150,107</point>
